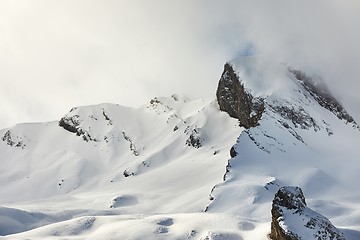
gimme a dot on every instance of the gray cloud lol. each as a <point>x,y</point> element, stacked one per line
<point>59,54</point>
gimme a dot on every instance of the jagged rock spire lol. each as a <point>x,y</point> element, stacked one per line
<point>233,98</point>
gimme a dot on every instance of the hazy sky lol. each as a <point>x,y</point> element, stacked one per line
<point>58,54</point>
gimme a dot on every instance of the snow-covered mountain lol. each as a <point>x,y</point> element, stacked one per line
<point>178,168</point>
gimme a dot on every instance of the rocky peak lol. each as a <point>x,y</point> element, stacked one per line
<point>239,102</point>
<point>234,99</point>
<point>290,198</point>
<point>293,220</point>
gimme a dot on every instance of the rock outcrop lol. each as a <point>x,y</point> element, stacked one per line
<point>13,141</point>
<point>293,220</point>
<point>72,124</point>
<point>194,140</point>
<point>234,99</point>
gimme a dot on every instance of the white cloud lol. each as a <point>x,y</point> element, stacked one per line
<point>59,54</point>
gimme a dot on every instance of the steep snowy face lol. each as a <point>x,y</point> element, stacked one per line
<point>319,91</point>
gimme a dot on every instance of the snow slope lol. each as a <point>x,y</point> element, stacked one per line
<point>163,171</point>
<point>128,161</point>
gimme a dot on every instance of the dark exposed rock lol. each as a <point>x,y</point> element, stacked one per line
<point>133,148</point>
<point>12,141</point>
<point>72,124</point>
<point>128,173</point>
<point>293,117</point>
<point>233,152</point>
<point>298,116</point>
<point>319,91</point>
<point>236,101</point>
<point>227,170</point>
<point>194,139</point>
<point>293,220</point>
<point>159,106</point>
<point>107,117</point>
<point>290,198</point>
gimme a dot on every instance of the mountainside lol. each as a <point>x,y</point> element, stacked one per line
<point>178,168</point>
<point>304,138</point>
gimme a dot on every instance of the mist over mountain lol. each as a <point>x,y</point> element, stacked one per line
<point>61,54</point>
<point>177,168</point>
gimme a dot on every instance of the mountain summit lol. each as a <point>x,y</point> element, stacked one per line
<point>239,102</point>
<point>178,168</point>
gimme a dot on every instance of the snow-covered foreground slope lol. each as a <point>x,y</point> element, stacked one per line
<point>168,226</point>
<point>135,152</point>
<point>164,171</point>
<point>161,158</point>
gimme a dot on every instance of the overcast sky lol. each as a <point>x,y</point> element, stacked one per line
<point>55,55</point>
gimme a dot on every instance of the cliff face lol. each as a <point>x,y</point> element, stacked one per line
<point>293,220</point>
<point>287,198</point>
<point>234,99</point>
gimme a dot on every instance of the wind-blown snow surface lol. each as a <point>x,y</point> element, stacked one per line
<point>49,170</point>
<point>150,173</point>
